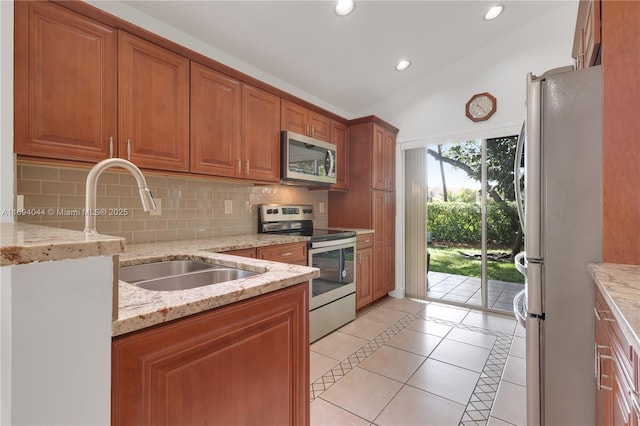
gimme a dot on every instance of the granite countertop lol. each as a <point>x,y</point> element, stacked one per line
<point>22,243</point>
<point>139,308</point>
<point>620,286</point>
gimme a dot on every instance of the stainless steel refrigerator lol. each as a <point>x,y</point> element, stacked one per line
<point>562,216</point>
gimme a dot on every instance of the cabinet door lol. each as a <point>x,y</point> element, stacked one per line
<point>384,243</point>
<point>244,363</point>
<point>320,126</point>
<point>260,134</point>
<point>65,84</point>
<point>364,277</point>
<point>299,119</point>
<point>153,105</point>
<point>379,179</point>
<point>294,117</point>
<point>339,139</point>
<point>384,152</point>
<point>390,242</point>
<point>389,156</point>
<point>215,122</point>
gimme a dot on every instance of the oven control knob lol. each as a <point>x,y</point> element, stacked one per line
<point>275,211</point>
<point>270,211</point>
<point>344,274</point>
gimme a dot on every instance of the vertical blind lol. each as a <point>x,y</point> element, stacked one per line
<point>416,223</point>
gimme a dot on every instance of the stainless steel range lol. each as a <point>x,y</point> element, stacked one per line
<point>333,295</point>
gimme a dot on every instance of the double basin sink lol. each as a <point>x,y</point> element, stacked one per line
<point>174,275</point>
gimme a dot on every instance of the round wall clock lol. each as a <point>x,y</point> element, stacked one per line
<point>481,106</point>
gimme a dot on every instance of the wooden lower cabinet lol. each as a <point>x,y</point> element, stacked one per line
<point>245,363</point>
<point>616,371</point>
<point>364,270</point>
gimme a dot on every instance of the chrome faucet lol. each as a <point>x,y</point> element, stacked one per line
<point>92,186</point>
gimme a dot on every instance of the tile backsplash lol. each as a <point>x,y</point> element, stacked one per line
<point>191,207</point>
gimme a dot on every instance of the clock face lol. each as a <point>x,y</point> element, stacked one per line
<point>481,106</point>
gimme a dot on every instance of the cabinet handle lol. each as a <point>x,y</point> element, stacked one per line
<point>239,166</point>
<point>634,402</point>
<point>599,318</point>
<point>129,149</point>
<point>111,147</point>
<point>313,131</point>
<point>359,258</point>
<point>286,254</point>
<point>247,168</point>
<point>306,129</point>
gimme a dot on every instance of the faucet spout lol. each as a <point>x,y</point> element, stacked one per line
<point>91,190</point>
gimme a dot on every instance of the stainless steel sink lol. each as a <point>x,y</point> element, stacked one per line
<point>195,279</point>
<point>149,271</point>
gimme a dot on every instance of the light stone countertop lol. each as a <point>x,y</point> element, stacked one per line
<point>22,243</point>
<point>620,286</point>
<point>139,308</point>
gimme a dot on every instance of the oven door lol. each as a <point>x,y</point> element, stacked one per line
<point>337,273</point>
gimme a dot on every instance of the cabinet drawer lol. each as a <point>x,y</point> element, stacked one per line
<point>619,342</point>
<point>250,252</point>
<point>364,241</point>
<point>287,253</point>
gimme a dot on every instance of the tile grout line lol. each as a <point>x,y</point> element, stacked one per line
<point>478,408</point>
<point>339,371</point>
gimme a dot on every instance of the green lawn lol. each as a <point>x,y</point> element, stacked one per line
<point>450,261</point>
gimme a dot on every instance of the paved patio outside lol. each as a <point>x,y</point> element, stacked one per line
<point>463,289</point>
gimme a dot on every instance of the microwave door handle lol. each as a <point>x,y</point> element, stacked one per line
<point>330,168</point>
<point>342,266</point>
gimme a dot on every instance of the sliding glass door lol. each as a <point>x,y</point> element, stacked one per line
<point>472,226</point>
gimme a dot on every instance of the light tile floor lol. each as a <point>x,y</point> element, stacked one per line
<point>409,362</point>
<point>463,289</point>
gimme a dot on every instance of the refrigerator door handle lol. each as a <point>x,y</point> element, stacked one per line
<point>535,289</point>
<point>518,174</point>
<point>519,308</point>
<point>533,165</point>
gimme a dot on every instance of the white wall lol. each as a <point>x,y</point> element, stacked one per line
<point>7,181</point>
<point>61,342</point>
<point>432,111</point>
<point>7,184</point>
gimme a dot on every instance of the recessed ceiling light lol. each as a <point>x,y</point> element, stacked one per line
<point>494,12</point>
<point>344,7</point>
<point>403,65</point>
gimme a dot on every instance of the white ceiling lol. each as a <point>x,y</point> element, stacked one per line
<point>348,62</point>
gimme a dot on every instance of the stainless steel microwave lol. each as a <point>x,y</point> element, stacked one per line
<point>307,161</point>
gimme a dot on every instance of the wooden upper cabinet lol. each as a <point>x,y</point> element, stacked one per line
<point>215,122</point>
<point>65,84</point>
<point>260,134</point>
<point>339,137</point>
<point>153,105</point>
<point>384,145</point>
<point>588,34</point>
<point>301,120</point>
